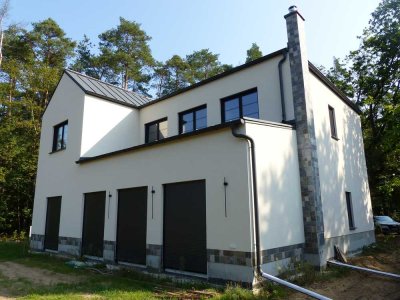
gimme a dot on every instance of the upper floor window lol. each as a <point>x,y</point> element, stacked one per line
<point>157,130</point>
<point>332,121</point>
<point>60,136</point>
<point>244,104</point>
<point>193,119</point>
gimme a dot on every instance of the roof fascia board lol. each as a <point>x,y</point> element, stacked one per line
<point>314,70</point>
<point>219,76</point>
<point>160,142</point>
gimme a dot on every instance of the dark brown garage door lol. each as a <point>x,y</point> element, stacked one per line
<point>93,224</point>
<point>185,226</point>
<point>52,223</point>
<point>131,228</point>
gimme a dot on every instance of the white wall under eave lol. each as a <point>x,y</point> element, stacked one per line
<point>264,76</point>
<point>108,127</point>
<point>342,165</point>
<point>278,179</point>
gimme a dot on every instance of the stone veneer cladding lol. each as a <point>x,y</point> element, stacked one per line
<point>240,258</point>
<point>306,141</point>
<point>69,245</point>
<point>154,257</point>
<point>37,242</point>
<point>109,251</point>
<point>294,252</point>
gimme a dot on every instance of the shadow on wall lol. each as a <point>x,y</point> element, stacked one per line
<point>105,137</point>
<point>342,168</point>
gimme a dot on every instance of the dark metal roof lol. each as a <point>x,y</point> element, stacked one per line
<point>95,87</point>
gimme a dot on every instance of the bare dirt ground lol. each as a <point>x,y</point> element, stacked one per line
<point>361,285</point>
<point>36,276</point>
<point>13,270</point>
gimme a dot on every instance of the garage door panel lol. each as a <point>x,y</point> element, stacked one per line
<point>132,224</point>
<point>185,226</point>
<point>93,224</point>
<point>52,223</point>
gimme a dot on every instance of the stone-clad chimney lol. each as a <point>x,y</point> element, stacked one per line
<point>306,142</point>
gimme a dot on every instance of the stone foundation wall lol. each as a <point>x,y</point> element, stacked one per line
<point>37,242</point>
<point>294,252</point>
<point>229,257</point>
<point>109,252</point>
<point>154,257</point>
<point>69,245</point>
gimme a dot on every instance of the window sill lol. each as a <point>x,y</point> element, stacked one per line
<point>59,150</point>
<point>335,138</point>
<point>353,228</point>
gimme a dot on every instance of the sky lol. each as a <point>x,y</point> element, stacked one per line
<point>226,27</point>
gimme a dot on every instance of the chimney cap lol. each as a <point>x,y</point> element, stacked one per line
<point>294,11</point>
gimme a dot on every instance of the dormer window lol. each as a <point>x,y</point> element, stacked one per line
<point>60,136</point>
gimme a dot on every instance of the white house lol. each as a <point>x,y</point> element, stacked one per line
<point>259,166</point>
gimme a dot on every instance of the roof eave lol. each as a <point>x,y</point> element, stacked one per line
<point>333,88</point>
<point>219,76</point>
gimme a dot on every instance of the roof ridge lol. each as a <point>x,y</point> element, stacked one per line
<point>104,82</point>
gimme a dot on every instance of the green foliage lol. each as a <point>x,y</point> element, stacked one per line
<point>253,53</point>
<point>178,73</point>
<point>32,64</point>
<point>371,77</point>
<point>49,44</point>
<point>126,51</point>
<point>204,64</point>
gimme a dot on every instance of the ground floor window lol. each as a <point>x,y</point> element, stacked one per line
<point>350,211</point>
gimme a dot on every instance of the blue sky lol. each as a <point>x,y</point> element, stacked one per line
<point>227,27</point>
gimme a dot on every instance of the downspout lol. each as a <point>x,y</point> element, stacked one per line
<point>255,196</point>
<point>257,263</point>
<point>283,105</point>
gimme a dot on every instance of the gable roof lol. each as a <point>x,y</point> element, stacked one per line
<point>101,89</point>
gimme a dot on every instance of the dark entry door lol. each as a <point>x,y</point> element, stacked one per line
<point>52,223</point>
<point>185,226</point>
<point>93,224</point>
<point>131,229</point>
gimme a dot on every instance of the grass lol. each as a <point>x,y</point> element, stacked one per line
<point>125,284</point>
<point>128,284</point>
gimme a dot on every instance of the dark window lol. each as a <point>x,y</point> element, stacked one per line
<point>332,121</point>
<point>350,211</point>
<point>60,136</point>
<point>240,105</point>
<point>193,119</point>
<point>156,130</point>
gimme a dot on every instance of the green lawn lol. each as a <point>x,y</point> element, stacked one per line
<point>120,285</point>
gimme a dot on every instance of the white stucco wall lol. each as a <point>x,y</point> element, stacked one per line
<point>211,156</point>
<point>264,76</point>
<point>341,163</point>
<point>279,196</point>
<point>108,127</point>
<point>55,168</point>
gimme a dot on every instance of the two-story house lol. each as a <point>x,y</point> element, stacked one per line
<point>261,165</point>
